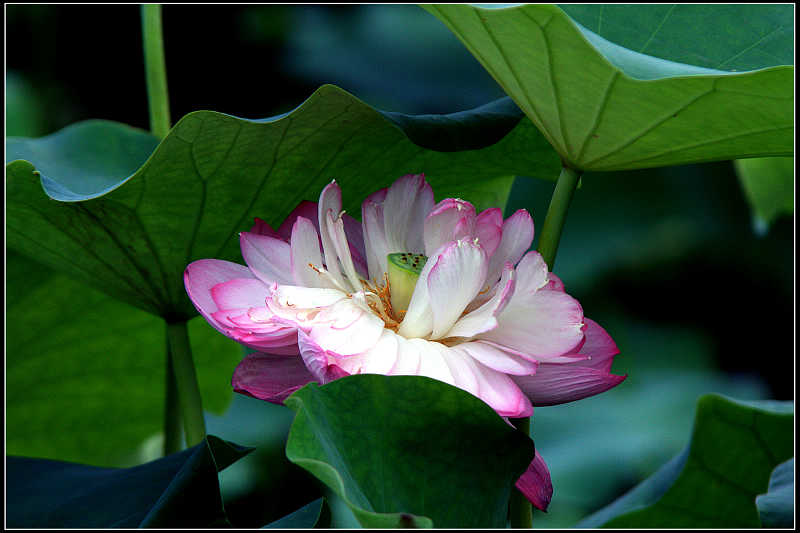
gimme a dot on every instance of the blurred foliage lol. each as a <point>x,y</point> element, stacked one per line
<point>715,480</point>
<point>394,56</point>
<point>617,439</point>
<point>666,260</point>
<point>768,184</point>
<point>24,117</point>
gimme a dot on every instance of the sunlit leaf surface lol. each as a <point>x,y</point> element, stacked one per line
<point>606,107</point>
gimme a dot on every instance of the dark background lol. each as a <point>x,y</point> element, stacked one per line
<point>650,254</point>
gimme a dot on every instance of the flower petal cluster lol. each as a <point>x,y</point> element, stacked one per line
<point>321,298</point>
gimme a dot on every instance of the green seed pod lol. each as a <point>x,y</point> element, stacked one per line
<point>404,270</point>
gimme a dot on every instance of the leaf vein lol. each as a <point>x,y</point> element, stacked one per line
<point>260,187</point>
<point>599,114</point>
<point>747,49</point>
<point>712,141</point>
<point>204,193</point>
<point>652,127</point>
<point>660,25</point>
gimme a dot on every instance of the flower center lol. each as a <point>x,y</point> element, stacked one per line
<point>389,299</point>
<point>403,273</point>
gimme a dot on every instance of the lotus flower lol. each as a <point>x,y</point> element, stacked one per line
<point>416,288</point>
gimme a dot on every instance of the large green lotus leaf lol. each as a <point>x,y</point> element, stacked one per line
<point>408,451</point>
<point>130,218</point>
<point>85,373</point>
<point>714,482</point>
<point>607,107</point>
<point>768,184</point>
<point>776,507</point>
<point>179,490</point>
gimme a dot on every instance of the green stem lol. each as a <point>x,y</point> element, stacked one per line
<point>172,413</point>
<point>155,70</point>
<point>194,426</point>
<point>557,214</point>
<point>520,511</point>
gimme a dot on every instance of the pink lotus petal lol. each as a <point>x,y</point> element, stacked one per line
<point>355,239</point>
<point>599,347</point>
<point>374,235</point>
<point>200,276</point>
<point>288,299</point>
<point>299,306</point>
<point>554,283</point>
<point>408,358</point>
<point>269,258</point>
<point>318,361</point>
<point>571,357</point>
<point>489,229</point>
<point>543,325</point>
<point>433,363</point>
<point>346,327</point>
<point>495,388</point>
<point>515,241</point>
<point>240,293</point>
<point>408,201</point>
<point>497,359</point>
<point>270,377</point>
<point>242,318</point>
<point>305,209</point>
<point>335,226</point>
<point>484,318</point>
<point>310,211</point>
<point>262,228</point>
<point>535,483</point>
<point>532,274</point>
<point>330,202</point>
<point>554,384</point>
<point>437,361</point>
<point>383,356</point>
<point>305,255</point>
<point>450,220</point>
<point>453,282</point>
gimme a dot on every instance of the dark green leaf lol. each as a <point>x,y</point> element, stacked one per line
<point>214,173</point>
<point>768,184</point>
<point>714,483</point>
<point>776,507</point>
<point>104,362</point>
<point>606,107</point>
<point>304,518</point>
<point>180,490</point>
<point>408,451</point>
